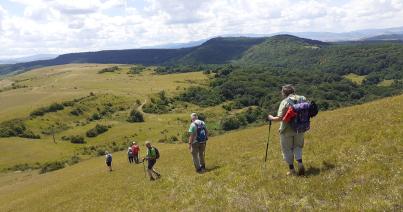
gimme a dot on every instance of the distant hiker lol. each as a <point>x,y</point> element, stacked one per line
<point>151,157</point>
<point>135,151</point>
<point>292,129</point>
<point>108,160</point>
<point>130,155</point>
<point>197,142</point>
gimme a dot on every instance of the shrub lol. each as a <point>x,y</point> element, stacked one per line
<point>16,128</point>
<point>55,107</point>
<point>51,166</point>
<point>76,111</point>
<point>98,129</point>
<point>95,116</point>
<point>230,123</point>
<point>73,160</point>
<point>135,116</point>
<point>76,139</point>
<point>109,69</point>
<point>43,110</point>
<point>136,69</point>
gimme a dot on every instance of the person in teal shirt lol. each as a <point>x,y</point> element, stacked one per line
<point>197,142</point>
<point>151,158</point>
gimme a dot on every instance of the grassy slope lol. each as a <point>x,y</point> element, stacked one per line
<point>59,83</point>
<point>352,157</point>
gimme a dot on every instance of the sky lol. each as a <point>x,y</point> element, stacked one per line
<point>29,27</point>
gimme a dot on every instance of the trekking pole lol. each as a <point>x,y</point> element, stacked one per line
<point>268,139</point>
<point>144,167</point>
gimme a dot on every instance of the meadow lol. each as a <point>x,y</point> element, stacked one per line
<point>352,154</point>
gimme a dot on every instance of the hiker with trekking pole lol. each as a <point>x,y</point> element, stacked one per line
<point>151,157</point>
<point>293,113</point>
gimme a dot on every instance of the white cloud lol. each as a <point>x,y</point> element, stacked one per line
<point>60,26</point>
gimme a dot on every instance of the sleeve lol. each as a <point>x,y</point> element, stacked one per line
<point>282,109</point>
<point>192,128</point>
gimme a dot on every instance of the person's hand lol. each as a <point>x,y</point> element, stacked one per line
<point>270,117</point>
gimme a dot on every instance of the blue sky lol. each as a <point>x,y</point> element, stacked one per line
<point>30,27</point>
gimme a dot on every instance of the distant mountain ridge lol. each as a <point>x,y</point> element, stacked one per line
<point>216,51</point>
<point>389,37</point>
<point>278,50</point>
<point>28,59</point>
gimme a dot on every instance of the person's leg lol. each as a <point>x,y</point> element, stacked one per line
<point>298,146</point>
<point>150,169</point>
<point>155,171</point>
<point>201,156</point>
<point>195,156</point>
<point>136,158</point>
<point>286,142</point>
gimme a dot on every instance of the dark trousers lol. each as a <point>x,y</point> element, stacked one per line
<point>136,158</point>
<point>130,159</point>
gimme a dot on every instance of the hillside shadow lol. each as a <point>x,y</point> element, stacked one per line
<point>210,169</point>
<point>314,171</point>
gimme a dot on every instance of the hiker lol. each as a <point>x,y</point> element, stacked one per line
<point>291,142</point>
<point>108,160</point>
<point>197,142</point>
<point>130,154</point>
<point>135,151</point>
<point>151,157</point>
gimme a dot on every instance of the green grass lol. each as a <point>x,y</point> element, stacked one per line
<point>355,78</point>
<point>68,82</point>
<point>352,156</point>
<point>385,83</point>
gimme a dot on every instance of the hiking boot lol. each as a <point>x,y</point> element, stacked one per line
<point>152,178</point>
<point>203,168</point>
<point>200,171</point>
<point>291,172</point>
<point>158,175</point>
<point>301,170</point>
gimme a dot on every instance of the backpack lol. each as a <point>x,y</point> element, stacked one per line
<point>108,158</point>
<point>304,111</point>
<point>157,153</point>
<point>201,133</point>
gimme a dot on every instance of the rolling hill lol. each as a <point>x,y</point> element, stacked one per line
<point>348,168</point>
<point>217,51</point>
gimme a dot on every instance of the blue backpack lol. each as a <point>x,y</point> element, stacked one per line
<point>305,110</point>
<point>201,133</point>
<point>109,158</point>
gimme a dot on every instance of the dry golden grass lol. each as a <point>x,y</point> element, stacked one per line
<point>352,156</point>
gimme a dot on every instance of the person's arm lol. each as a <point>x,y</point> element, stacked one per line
<point>274,118</point>
<point>191,139</point>
<point>206,133</point>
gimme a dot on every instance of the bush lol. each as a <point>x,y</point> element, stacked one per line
<point>109,69</point>
<point>95,116</point>
<point>135,116</point>
<point>98,129</point>
<point>76,139</point>
<point>51,166</point>
<point>136,69</point>
<point>230,123</point>
<point>43,110</point>
<point>16,128</point>
<point>55,107</point>
<point>76,111</point>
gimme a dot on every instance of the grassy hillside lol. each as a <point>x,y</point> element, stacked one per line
<point>60,84</point>
<point>352,157</point>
